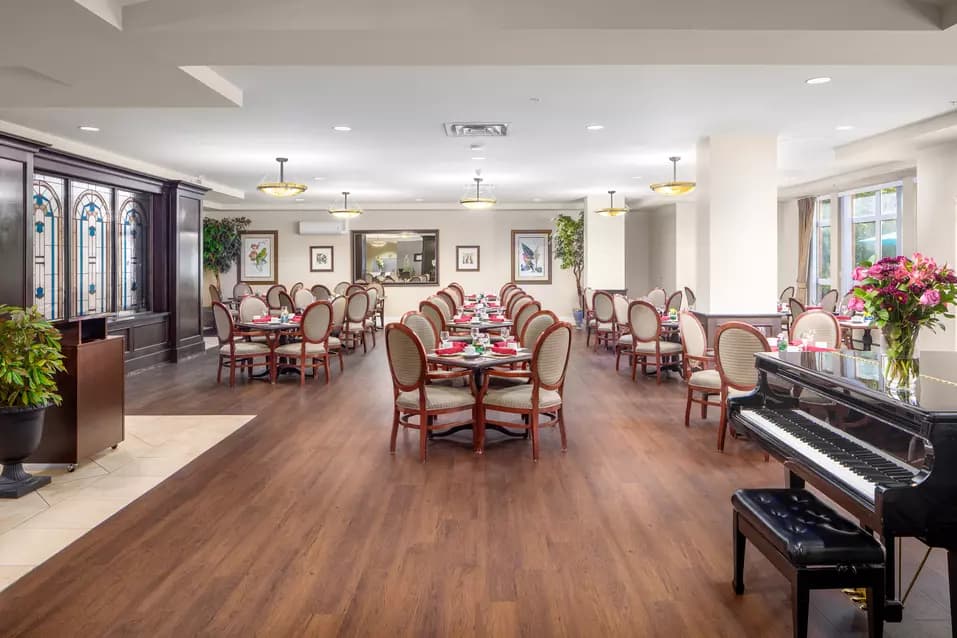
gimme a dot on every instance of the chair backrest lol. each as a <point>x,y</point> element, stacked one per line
<point>735,344</point>
<point>362,282</point>
<point>795,306</point>
<point>824,324</point>
<point>241,290</point>
<point>509,295</point>
<point>504,289</point>
<point>443,307</point>
<point>423,328</point>
<point>786,294</point>
<point>358,307</point>
<point>379,289</point>
<point>373,298</point>
<point>550,356</point>
<point>620,302</point>
<point>250,306</point>
<point>829,300</point>
<point>272,295</point>
<point>459,291</point>
<point>317,322</point>
<point>406,357</point>
<point>447,297</point>
<point>690,298</point>
<point>339,311</point>
<point>434,314</point>
<point>214,294</point>
<point>644,320</point>
<point>303,298</point>
<point>341,287</point>
<point>657,297</point>
<point>589,294</point>
<point>535,326</point>
<point>517,304</point>
<point>224,322</point>
<point>285,301</point>
<point>523,314</point>
<point>353,288</point>
<point>320,292</point>
<point>296,287</point>
<point>674,301</point>
<point>694,340</point>
<point>604,306</point>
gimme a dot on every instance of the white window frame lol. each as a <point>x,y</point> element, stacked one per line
<point>815,283</point>
<point>847,220</point>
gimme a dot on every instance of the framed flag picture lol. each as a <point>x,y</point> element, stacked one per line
<point>258,261</point>
<point>532,256</point>
<point>467,258</point>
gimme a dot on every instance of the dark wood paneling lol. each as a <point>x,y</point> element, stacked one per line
<point>52,161</point>
<point>186,275</point>
<point>13,257</point>
<point>146,336</point>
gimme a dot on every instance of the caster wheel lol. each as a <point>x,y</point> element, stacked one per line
<point>113,447</point>
<point>71,467</point>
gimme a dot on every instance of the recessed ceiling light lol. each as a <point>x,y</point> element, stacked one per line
<point>844,127</point>
<point>300,199</point>
<point>478,158</point>
<point>420,199</point>
<point>594,127</point>
<point>821,80</point>
<point>342,129</point>
<point>89,129</point>
<point>318,179</point>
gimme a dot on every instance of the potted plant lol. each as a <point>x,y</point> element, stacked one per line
<point>570,251</point>
<point>222,244</point>
<point>903,295</point>
<point>30,358</point>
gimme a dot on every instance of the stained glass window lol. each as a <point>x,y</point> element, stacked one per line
<point>92,248</point>
<point>131,252</point>
<point>48,234</point>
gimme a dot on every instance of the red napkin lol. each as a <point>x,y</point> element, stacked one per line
<point>493,304</point>
<point>457,346</point>
<point>812,348</point>
<point>469,305</point>
<point>261,320</point>
<point>497,318</point>
<point>843,317</point>
<point>504,350</point>
<point>296,318</point>
<point>462,319</point>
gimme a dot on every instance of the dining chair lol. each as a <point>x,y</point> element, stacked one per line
<point>588,296</point>
<point>356,323</point>
<point>699,372</point>
<point>541,397</point>
<point>338,319</point>
<point>447,311</point>
<point>657,297</point>
<point>620,302</point>
<point>447,297</point>
<point>380,301</point>
<point>458,292</point>
<point>354,288</point>
<point>296,287</point>
<point>523,314</point>
<point>431,311</point>
<point>825,326</point>
<point>242,289</point>
<point>604,319</point>
<point>361,281</point>
<point>303,298</point>
<point>796,308</point>
<point>510,294</point>
<point>251,307</point>
<point>423,328</point>
<point>829,299</point>
<point>786,294</point>
<point>341,287</point>
<point>312,348</point>
<point>321,292</point>
<point>674,301</point>
<point>690,298</point>
<point>373,304</point>
<point>272,298</point>
<point>234,352</point>
<point>285,301</point>
<point>214,294</point>
<point>535,326</point>
<point>735,344</point>
<point>644,345</point>
<point>505,288</point>
<point>414,396</point>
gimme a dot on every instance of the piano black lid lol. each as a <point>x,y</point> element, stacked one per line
<point>860,373</point>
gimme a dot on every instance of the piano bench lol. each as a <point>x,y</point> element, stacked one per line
<point>811,544</point>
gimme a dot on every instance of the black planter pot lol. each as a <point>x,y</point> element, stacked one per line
<point>20,432</point>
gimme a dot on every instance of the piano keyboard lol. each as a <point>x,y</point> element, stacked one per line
<point>854,462</point>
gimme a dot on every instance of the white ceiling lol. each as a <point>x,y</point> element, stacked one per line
<point>272,78</point>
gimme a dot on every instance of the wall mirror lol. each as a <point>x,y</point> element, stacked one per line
<point>396,257</point>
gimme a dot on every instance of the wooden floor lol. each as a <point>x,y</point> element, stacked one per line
<point>302,524</point>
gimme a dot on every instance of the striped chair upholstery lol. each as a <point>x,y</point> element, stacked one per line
<point>604,319</point>
<point>241,290</point>
<point>823,323</point>
<point>312,349</point>
<point>535,326</point>
<point>657,297</point>
<point>644,345</point>
<point>303,298</point>
<point>320,292</point>
<point>735,345</point>
<point>250,307</point>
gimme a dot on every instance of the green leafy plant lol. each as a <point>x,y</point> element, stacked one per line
<point>222,243</point>
<point>30,357</point>
<point>569,242</point>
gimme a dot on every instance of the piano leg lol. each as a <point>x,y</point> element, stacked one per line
<point>792,480</point>
<point>893,608</point>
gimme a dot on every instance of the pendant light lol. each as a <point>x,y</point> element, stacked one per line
<point>674,187</point>
<point>612,210</point>
<point>478,201</point>
<point>345,212</point>
<point>282,188</point>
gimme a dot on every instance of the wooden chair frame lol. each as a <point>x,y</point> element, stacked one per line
<point>603,336</point>
<point>725,384</point>
<point>636,358</point>
<point>240,362</point>
<point>691,362</point>
<point>349,337</point>
<point>312,360</point>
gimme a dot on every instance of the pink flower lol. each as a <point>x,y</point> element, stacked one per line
<point>930,298</point>
<point>860,273</point>
<point>855,304</point>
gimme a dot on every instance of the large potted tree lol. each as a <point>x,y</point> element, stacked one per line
<point>30,358</point>
<point>569,246</point>
<point>222,243</point>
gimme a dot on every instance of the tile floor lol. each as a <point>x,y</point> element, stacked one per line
<point>37,526</point>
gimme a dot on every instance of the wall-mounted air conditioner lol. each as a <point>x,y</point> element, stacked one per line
<point>322,228</point>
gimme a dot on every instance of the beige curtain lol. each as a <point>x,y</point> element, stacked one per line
<point>805,232</point>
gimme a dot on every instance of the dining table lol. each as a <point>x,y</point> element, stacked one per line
<point>483,326</point>
<point>867,339</point>
<point>273,332</point>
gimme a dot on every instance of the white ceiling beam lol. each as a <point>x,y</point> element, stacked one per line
<point>216,82</point>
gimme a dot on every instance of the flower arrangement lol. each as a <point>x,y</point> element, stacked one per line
<point>904,294</point>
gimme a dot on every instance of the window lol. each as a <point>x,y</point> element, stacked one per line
<point>871,222</point>
<point>92,248</point>
<point>131,253</point>
<point>48,233</point>
<point>821,248</point>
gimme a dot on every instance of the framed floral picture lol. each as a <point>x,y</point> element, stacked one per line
<point>467,258</point>
<point>321,259</point>
<point>258,263</point>
<point>532,256</point>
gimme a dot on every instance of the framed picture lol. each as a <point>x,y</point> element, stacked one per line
<point>532,256</point>
<point>417,257</point>
<point>258,263</point>
<point>321,259</point>
<point>467,258</point>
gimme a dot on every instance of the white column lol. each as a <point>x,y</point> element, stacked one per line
<point>935,224</point>
<point>737,207</point>
<point>604,244</point>
<point>686,246</point>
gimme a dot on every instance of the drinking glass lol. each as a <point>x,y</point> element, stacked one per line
<point>475,332</point>
<point>505,333</point>
<point>444,335</point>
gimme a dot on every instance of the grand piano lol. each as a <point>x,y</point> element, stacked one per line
<point>890,460</point>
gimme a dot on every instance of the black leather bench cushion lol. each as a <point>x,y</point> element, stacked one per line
<point>805,529</point>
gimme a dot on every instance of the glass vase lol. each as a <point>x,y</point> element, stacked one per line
<point>901,367</point>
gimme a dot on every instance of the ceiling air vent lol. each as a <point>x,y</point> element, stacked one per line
<point>476,129</point>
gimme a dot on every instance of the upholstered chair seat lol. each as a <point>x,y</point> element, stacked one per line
<point>665,347</point>
<point>520,397</point>
<point>296,348</point>
<point>626,340</point>
<point>437,397</point>
<point>247,347</point>
<point>644,345</point>
<point>706,379</point>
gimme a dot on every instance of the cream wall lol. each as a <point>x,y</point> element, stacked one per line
<point>661,267</point>
<point>491,230</point>
<point>637,252</point>
<point>787,243</point>
<point>604,245</point>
